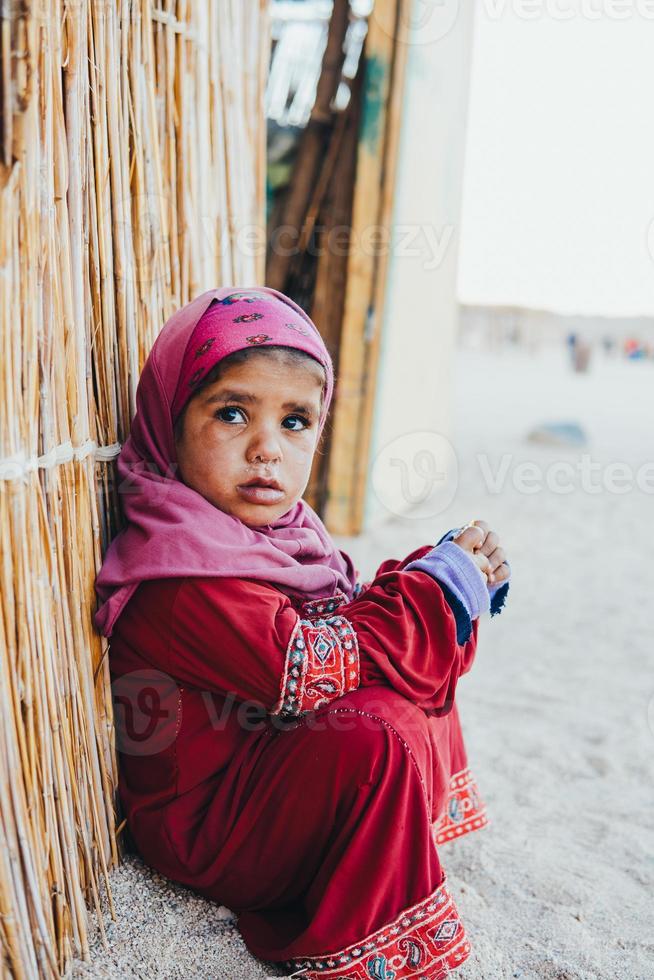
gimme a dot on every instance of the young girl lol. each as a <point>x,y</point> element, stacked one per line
<point>288,737</point>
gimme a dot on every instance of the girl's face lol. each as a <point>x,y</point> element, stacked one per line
<point>256,425</point>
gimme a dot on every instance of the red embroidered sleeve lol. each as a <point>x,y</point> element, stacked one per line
<point>245,638</point>
<point>321,664</point>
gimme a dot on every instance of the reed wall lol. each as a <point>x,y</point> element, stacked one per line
<point>132,176</point>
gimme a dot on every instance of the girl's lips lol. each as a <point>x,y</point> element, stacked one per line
<point>260,495</point>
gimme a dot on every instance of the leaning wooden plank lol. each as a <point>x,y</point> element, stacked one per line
<point>346,478</point>
<point>380,277</point>
<point>331,274</point>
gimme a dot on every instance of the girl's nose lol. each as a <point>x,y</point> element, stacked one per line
<point>265,447</point>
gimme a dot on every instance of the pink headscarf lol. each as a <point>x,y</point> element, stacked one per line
<point>171,529</point>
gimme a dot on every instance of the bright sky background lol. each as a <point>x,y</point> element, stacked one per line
<point>559,177</point>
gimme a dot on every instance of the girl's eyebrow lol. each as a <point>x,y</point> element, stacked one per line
<point>245,397</point>
<point>231,396</point>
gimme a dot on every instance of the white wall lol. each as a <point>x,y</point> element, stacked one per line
<point>413,386</point>
<point>558,211</point>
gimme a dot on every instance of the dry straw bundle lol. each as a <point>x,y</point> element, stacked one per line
<point>132,161</point>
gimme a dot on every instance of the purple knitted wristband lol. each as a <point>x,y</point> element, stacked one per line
<point>498,591</point>
<point>464,585</point>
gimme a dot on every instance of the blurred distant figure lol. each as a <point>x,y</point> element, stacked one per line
<point>580,351</point>
<point>583,351</point>
<point>633,348</point>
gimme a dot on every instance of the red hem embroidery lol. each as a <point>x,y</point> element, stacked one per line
<point>465,810</point>
<point>425,941</point>
<point>322,663</point>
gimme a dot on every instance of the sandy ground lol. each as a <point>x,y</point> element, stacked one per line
<point>558,710</point>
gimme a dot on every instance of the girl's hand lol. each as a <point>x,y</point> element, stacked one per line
<point>484,548</point>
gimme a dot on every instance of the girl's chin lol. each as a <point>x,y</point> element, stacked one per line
<point>250,513</point>
<point>261,516</point>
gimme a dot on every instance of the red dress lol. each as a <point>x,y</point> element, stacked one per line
<point>299,763</point>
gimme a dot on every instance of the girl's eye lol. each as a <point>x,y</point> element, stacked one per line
<point>226,414</point>
<point>304,423</point>
<point>223,414</point>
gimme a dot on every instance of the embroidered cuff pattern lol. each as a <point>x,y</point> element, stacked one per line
<point>317,607</point>
<point>426,940</point>
<point>322,663</point>
<point>465,809</point>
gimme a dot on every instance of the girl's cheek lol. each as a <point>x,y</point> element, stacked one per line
<point>221,437</point>
<point>307,449</point>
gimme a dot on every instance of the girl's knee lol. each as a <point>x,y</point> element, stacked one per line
<point>344,747</point>
<point>378,707</point>
<point>372,727</point>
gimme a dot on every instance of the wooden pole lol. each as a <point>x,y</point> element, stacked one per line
<point>366,274</point>
<point>310,150</point>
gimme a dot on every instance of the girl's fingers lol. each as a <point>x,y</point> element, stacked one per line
<point>496,557</point>
<point>483,527</point>
<point>491,542</point>
<point>484,548</point>
<point>482,563</point>
<point>470,538</point>
<point>500,574</point>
